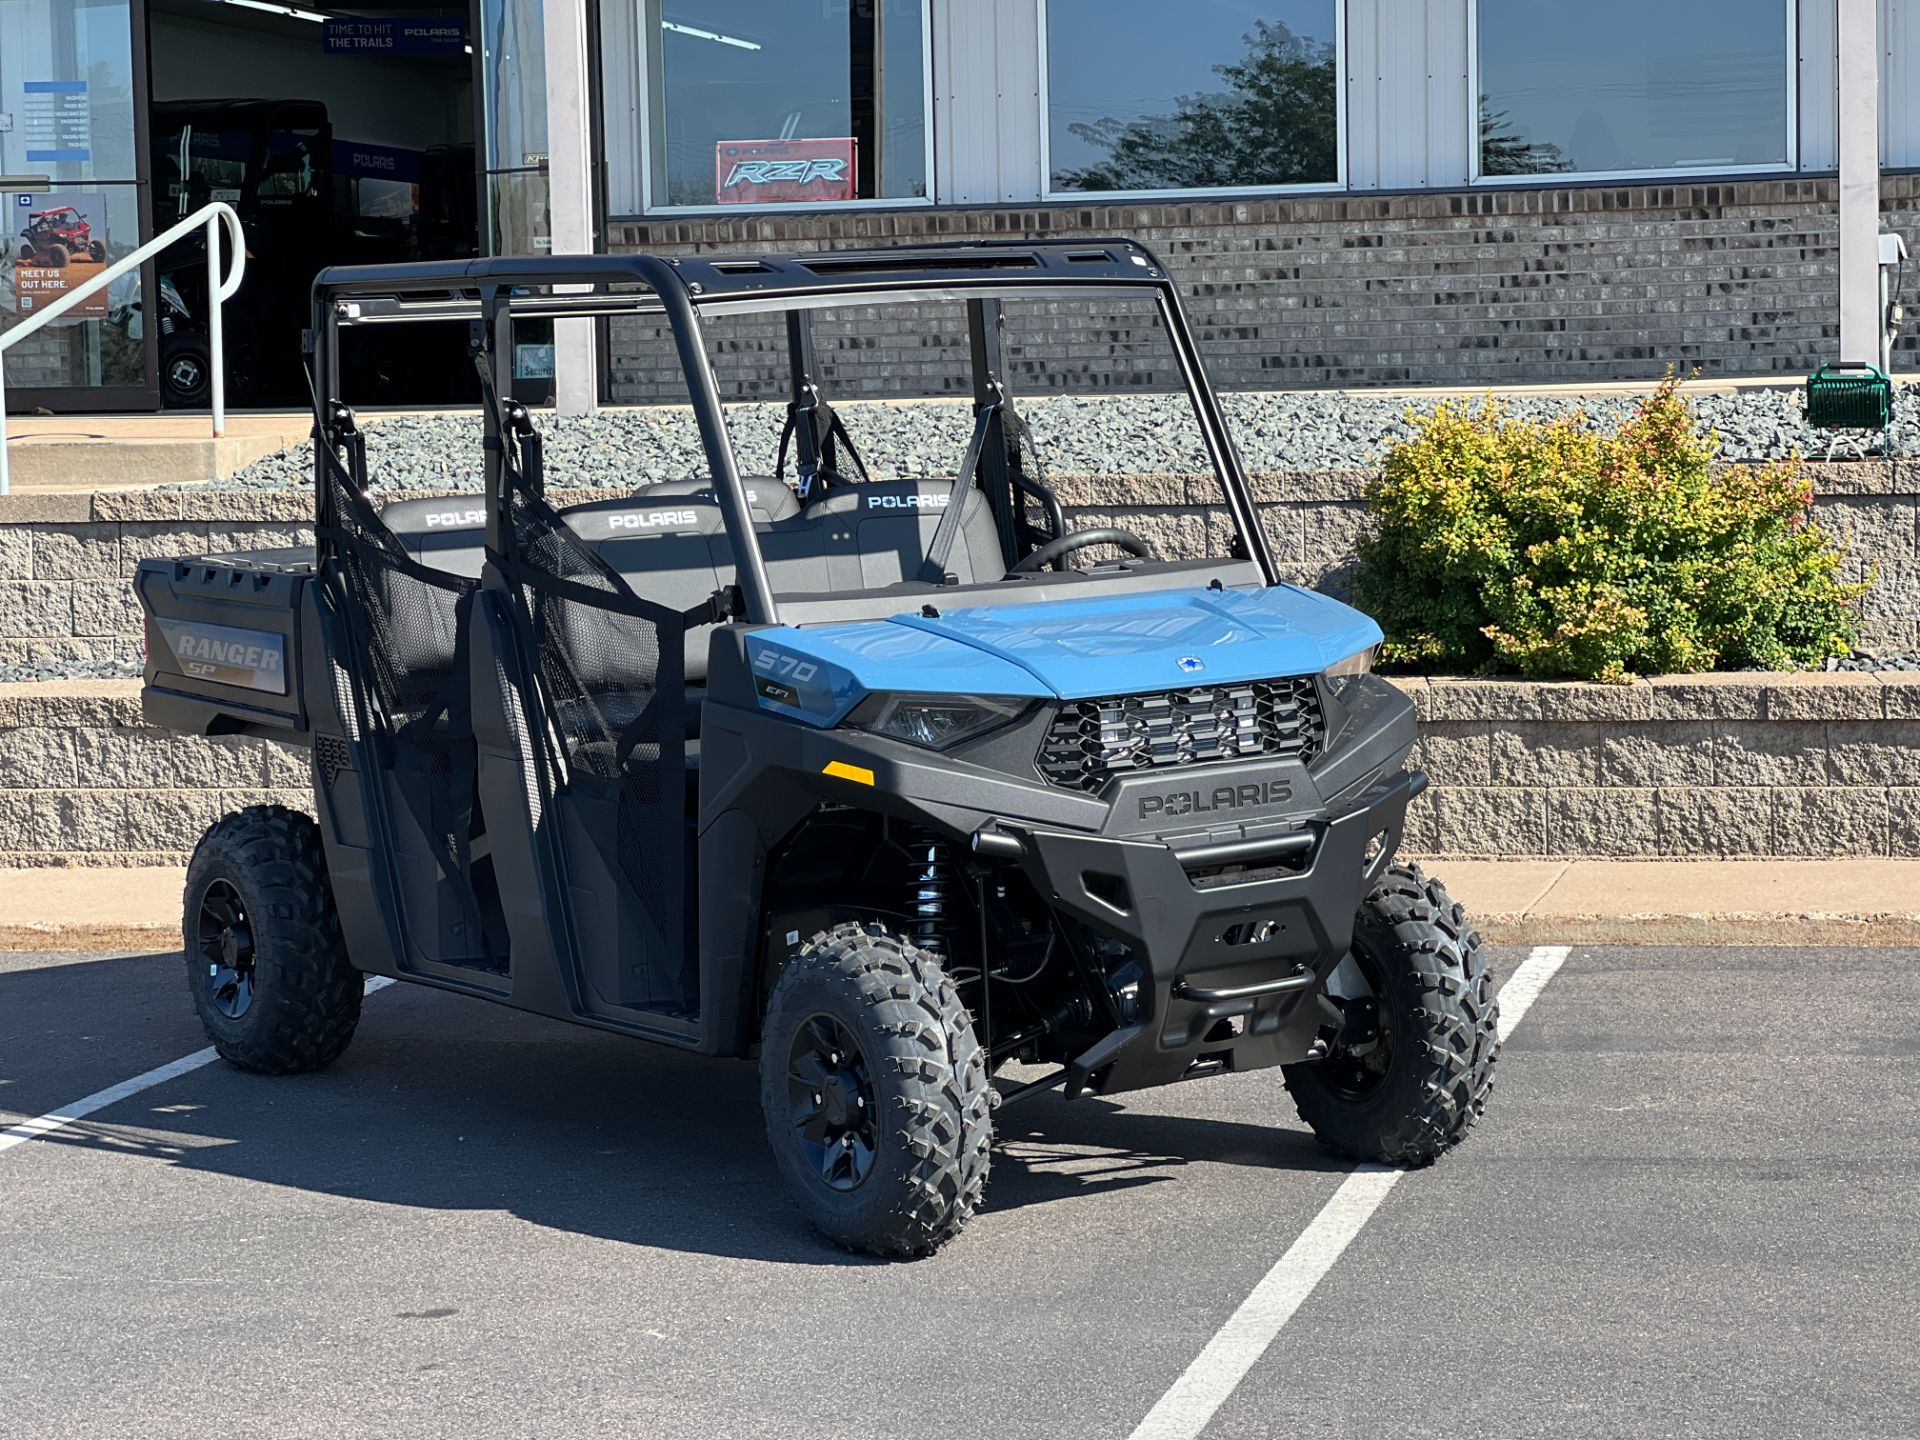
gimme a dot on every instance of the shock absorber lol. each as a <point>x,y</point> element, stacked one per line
<point>931,879</point>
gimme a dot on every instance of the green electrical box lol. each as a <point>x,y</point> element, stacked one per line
<point>1849,396</point>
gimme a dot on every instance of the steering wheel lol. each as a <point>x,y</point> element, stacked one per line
<point>1057,550</point>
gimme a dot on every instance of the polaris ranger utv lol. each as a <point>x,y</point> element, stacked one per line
<point>53,237</point>
<point>886,782</point>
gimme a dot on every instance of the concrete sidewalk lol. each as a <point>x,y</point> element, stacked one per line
<point>1514,902</point>
<point>1860,901</point>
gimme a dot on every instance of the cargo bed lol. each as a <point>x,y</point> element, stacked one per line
<point>227,636</point>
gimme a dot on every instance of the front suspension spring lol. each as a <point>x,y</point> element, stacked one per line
<point>932,877</point>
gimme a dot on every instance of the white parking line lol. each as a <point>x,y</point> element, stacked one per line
<point>55,1121</point>
<point>1183,1412</point>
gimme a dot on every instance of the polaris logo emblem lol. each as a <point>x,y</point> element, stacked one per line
<point>908,502</point>
<point>456,518</point>
<point>653,519</point>
<point>786,172</point>
<point>1191,664</point>
<point>1254,794</point>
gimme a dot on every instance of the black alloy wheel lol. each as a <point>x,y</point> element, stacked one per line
<point>226,948</point>
<point>831,1103</point>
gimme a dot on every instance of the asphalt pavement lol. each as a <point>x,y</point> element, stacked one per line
<point>1692,1210</point>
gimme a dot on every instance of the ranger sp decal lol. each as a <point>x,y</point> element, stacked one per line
<point>249,659</point>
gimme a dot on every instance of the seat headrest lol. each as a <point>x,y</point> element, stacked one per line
<point>633,517</point>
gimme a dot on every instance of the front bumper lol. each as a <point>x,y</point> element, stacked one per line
<point>1233,962</point>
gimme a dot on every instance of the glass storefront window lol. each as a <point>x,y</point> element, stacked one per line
<point>513,100</point>
<point>520,220</point>
<point>767,102</point>
<point>513,90</point>
<point>67,98</point>
<point>1633,87</point>
<point>1222,94</point>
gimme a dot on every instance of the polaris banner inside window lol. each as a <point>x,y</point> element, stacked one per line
<point>1229,96</point>
<point>757,102</point>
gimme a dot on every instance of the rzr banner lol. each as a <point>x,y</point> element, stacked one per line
<point>755,172</point>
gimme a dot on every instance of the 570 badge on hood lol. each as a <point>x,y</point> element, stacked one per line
<point>757,172</point>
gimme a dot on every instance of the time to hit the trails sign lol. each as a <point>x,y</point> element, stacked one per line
<point>757,172</point>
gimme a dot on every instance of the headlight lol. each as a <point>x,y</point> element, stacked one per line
<point>934,721</point>
<point>1341,673</point>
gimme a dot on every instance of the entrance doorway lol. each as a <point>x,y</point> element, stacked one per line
<point>341,137</point>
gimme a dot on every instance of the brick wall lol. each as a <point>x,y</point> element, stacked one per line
<point>1491,287</point>
<point>1689,767</point>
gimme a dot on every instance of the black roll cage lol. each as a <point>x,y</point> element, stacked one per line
<point>491,293</point>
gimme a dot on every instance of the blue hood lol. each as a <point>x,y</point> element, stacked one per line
<point>1124,643</point>
<point>1069,649</point>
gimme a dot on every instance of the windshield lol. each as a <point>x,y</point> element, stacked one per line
<point>1088,460</point>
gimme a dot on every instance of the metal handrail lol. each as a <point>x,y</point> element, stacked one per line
<point>220,289</point>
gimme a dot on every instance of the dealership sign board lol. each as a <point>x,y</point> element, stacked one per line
<point>758,172</point>
<point>413,35</point>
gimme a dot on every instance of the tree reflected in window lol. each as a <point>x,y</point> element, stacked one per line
<point>1276,121</point>
<point>1503,151</point>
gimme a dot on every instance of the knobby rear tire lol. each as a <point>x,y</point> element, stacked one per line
<point>306,997</point>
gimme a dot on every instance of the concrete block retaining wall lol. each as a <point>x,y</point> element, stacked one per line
<point>65,559</point>
<point>1692,767</point>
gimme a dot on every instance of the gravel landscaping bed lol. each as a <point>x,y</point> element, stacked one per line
<point>1866,662</point>
<point>1121,434</point>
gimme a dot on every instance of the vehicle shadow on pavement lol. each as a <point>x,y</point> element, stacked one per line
<point>449,1105</point>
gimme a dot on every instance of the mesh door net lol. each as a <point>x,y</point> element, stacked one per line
<point>408,625</point>
<point>611,675</point>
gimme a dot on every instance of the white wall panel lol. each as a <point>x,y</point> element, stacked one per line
<point>1363,89</point>
<point>620,103</point>
<point>1450,132</point>
<point>1818,61</point>
<point>1900,84</point>
<point>1408,111</point>
<point>986,110</point>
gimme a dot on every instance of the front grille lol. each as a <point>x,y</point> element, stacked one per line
<point>1091,740</point>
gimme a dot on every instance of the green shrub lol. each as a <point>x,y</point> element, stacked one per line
<point>1562,550</point>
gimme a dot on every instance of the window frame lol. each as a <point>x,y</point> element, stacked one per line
<point>650,208</point>
<point>1789,166</point>
<point>1306,187</point>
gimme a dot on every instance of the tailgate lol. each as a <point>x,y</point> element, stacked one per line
<point>223,643</point>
